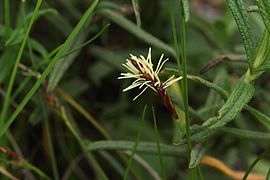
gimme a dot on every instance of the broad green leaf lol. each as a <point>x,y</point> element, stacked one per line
<point>135,30</point>
<point>240,96</point>
<point>196,155</point>
<point>264,9</point>
<point>241,18</point>
<point>199,133</point>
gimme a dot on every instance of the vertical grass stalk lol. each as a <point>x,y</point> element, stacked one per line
<point>135,144</point>
<point>185,81</point>
<point>163,172</point>
<point>48,69</point>
<point>268,175</point>
<point>255,162</point>
<point>89,156</point>
<point>50,144</point>
<point>135,5</point>
<point>7,17</point>
<point>15,68</point>
<point>176,47</point>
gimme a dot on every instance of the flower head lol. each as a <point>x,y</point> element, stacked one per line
<point>145,76</point>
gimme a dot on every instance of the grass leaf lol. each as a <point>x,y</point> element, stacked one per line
<point>136,143</point>
<point>263,53</point>
<point>265,120</point>
<point>254,163</point>
<point>136,31</point>
<point>16,65</point>
<point>264,9</point>
<point>163,172</point>
<point>241,18</point>
<point>185,9</point>
<point>240,96</point>
<point>196,155</point>
<point>242,133</point>
<point>69,40</point>
<point>68,57</point>
<point>143,147</point>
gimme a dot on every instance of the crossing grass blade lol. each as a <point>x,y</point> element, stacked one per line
<point>263,119</point>
<point>241,95</point>
<point>136,10</point>
<point>135,30</point>
<point>135,144</point>
<point>66,60</point>
<point>254,163</point>
<point>15,67</point>
<point>185,5</point>
<point>46,72</point>
<point>163,172</point>
<point>143,147</point>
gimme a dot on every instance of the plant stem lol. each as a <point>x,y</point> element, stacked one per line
<point>185,81</point>
<point>7,17</point>
<point>89,156</point>
<point>50,143</point>
<point>17,62</point>
<point>135,5</point>
<point>135,144</point>
<point>163,172</point>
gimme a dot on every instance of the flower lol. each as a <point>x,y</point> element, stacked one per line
<point>145,76</point>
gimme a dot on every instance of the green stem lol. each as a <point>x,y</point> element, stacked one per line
<point>185,81</point>
<point>135,144</point>
<point>89,156</point>
<point>163,172</point>
<point>135,5</point>
<point>255,162</point>
<point>51,148</point>
<point>7,17</point>
<point>17,62</point>
<point>48,69</point>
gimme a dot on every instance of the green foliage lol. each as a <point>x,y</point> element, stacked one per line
<point>241,18</point>
<point>62,105</point>
<point>264,9</point>
<point>135,30</point>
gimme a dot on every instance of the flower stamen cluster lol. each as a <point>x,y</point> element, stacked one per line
<point>145,76</point>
